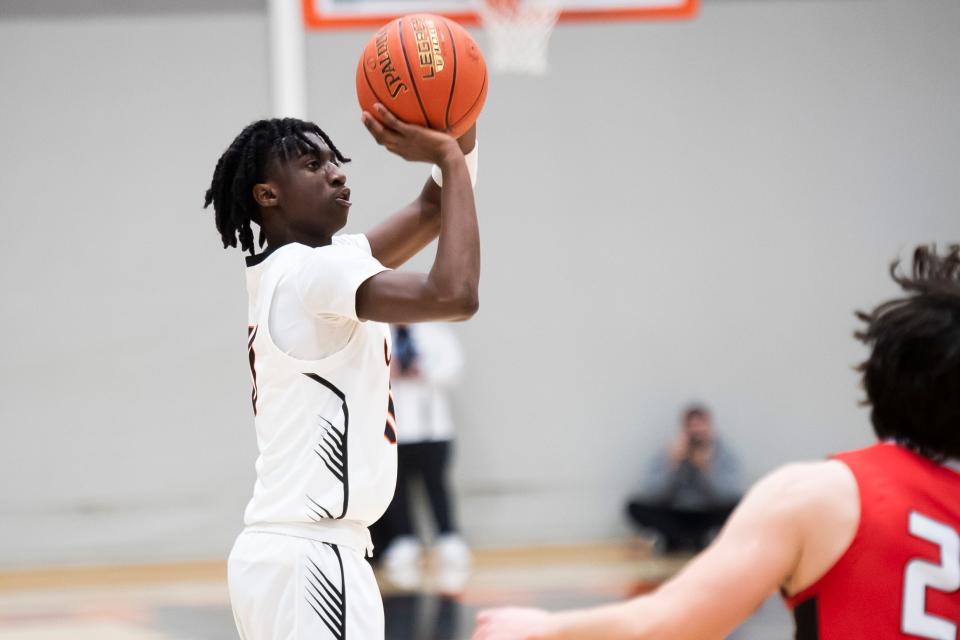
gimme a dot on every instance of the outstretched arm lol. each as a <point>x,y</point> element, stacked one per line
<point>450,291</point>
<point>405,233</point>
<point>757,552</point>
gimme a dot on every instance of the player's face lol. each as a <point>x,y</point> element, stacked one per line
<point>313,192</point>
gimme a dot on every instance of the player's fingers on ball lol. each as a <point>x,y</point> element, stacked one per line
<point>388,138</point>
<point>388,118</point>
<point>373,126</point>
<point>384,123</point>
<point>381,127</point>
<point>368,120</point>
<point>388,130</point>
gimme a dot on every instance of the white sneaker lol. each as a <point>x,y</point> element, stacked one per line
<point>404,551</point>
<point>451,580</point>
<point>406,577</point>
<point>452,551</point>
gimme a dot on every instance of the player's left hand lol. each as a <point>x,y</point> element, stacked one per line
<point>514,624</point>
<point>409,141</point>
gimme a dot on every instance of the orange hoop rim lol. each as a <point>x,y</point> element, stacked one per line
<point>315,20</point>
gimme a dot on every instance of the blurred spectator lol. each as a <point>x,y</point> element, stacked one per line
<point>427,361</point>
<point>692,487</point>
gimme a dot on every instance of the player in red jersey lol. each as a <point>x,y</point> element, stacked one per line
<point>865,546</point>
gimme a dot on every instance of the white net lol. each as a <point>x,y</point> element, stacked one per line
<point>519,32</point>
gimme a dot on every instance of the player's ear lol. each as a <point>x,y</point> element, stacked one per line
<point>265,194</point>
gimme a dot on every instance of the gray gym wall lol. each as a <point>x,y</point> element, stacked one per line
<point>679,211</point>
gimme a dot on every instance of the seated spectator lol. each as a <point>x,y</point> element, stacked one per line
<point>692,487</point>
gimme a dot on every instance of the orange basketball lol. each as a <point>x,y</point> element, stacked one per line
<point>426,70</point>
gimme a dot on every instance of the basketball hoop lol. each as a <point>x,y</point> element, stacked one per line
<point>519,33</point>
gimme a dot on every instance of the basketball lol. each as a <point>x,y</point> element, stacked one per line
<point>427,70</point>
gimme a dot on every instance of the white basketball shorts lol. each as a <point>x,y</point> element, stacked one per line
<point>284,587</point>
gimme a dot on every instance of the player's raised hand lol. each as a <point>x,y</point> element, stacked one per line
<point>514,624</point>
<point>409,141</point>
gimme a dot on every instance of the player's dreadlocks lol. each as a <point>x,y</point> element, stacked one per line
<point>912,377</point>
<point>244,164</point>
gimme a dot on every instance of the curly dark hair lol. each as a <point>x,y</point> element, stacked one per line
<point>912,377</point>
<point>244,164</point>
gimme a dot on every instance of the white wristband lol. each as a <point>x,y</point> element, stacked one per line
<point>472,164</point>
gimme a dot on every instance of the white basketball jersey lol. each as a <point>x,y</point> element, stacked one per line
<point>325,427</point>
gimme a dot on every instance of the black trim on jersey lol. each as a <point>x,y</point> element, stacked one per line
<point>253,261</point>
<point>252,357</point>
<point>328,601</point>
<point>807,620</point>
<point>318,512</point>
<point>332,448</point>
<point>389,432</point>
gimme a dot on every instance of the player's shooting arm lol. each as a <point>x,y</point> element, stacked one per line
<point>450,291</point>
<point>756,553</point>
<point>405,233</point>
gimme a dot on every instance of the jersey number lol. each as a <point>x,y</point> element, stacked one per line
<point>923,574</point>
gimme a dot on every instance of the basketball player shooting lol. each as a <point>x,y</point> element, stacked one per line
<point>865,546</point>
<point>320,352</point>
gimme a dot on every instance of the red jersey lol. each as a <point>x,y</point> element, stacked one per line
<point>900,577</point>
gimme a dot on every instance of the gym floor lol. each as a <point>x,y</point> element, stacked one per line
<point>189,601</point>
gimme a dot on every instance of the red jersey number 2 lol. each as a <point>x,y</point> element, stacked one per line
<point>922,574</point>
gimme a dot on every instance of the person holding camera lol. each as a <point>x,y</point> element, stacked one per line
<point>692,488</point>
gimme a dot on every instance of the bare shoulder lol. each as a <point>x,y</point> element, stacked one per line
<point>822,501</point>
<point>800,490</point>
<point>810,481</point>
